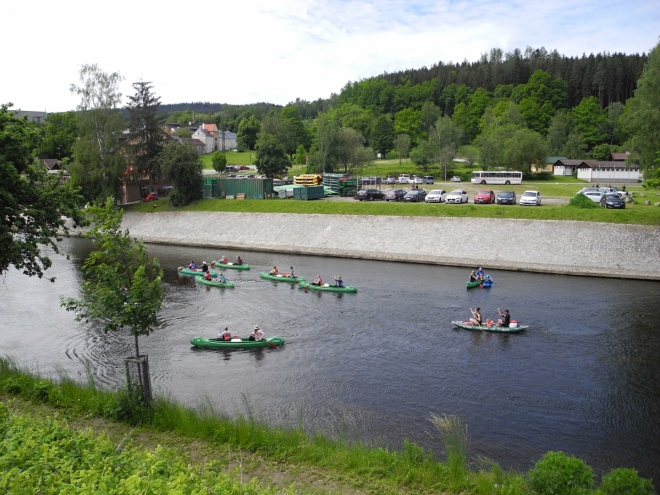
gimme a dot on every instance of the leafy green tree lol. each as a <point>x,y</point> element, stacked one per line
<point>219,161</point>
<point>34,204</point>
<point>301,155</point>
<point>123,287</point>
<point>590,121</point>
<point>479,101</point>
<point>575,148</point>
<point>643,118</point>
<point>560,127</point>
<point>491,145</point>
<point>446,137</point>
<point>100,165</point>
<point>424,155</point>
<point>145,130</point>
<point>382,135</point>
<point>182,165</point>
<point>59,135</point>
<point>183,132</point>
<point>524,149</point>
<point>430,115</point>
<point>402,144</point>
<point>409,121</point>
<point>293,129</point>
<point>248,129</point>
<point>352,115</point>
<point>613,129</point>
<point>271,155</point>
<point>324,154</point>
<point>602,152</point>
<point>351,155</point>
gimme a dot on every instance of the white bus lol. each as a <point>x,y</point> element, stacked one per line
<point>493,177</point>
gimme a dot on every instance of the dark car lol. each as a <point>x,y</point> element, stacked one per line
<point>415,195</point>
<point>612,200</point>
<point>395,195</point>
<point>506,198</point>
<point>484,196</point>
<point>369,194</point>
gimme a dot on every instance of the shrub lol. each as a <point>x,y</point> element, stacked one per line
<point>4,416</point>
<point>130,407</point>
<point>41,391</point>
<point>581,201</point>
<point>559,474</point>
<point>13,386</point>
<point>625,482</point>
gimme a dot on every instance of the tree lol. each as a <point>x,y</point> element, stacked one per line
<point>99,166</point>
<point>294,132</point>
<point>183,132</point>
<point>145,133</point>
<point>271,156</point>
<point>351,154</point>
<point>524,148</point>
<point>59,135</point>
<point>602,152</point>
<point>182,165</point>
<point>446,137</point>
<point>382,135</point>
<point>123,287</point>
<point>219,161</point>
<point>558,131</point>
<point>408,121</point>
<point>247,133</point>
<point>402,144</point>
<point>301,155</point>
<point>575,147</point>
<point>424,155</point>
<point>590,121</point>
<point>430,115</point>
<point>643,118</point>
<point>34,204</point>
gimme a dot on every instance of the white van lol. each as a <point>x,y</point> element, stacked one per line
<point>404,179</point>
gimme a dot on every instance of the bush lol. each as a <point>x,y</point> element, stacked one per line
<point>625,482</point>
<point>581,201</point>
<point>41,391</point>
<point>559,474</point>
<point>130,407</point>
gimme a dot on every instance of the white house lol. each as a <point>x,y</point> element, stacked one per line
<point>608,172</point>
<point>205,137</point>
<point>566,167</point>
<point>214,139</point>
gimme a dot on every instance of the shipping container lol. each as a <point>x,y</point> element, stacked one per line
<point>252,188</point>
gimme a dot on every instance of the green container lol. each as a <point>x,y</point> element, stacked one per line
<point>252,188</point>
<point>311,192</point>
<point>211,189</point>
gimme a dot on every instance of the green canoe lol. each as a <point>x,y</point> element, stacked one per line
<point>213,282</point>
<point>281,278</point>
<point>472,285</point>
<point>465,325</point>
<point>233,266</point>
<point>244,343</point>
<point>196,273</point>
<point>328,288</point>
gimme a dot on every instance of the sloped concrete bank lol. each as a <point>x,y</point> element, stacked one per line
<point>572,248</point>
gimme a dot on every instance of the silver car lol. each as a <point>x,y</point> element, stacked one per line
<point>531,198</point>
<point>457,196</point>
<point>436,196</point>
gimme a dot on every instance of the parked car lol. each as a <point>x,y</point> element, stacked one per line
<point>506,198</point>
<point>457,196</point>
<point>531,198</point>
<point>369,194</point>
<point>455,178</point>
<point>243,167</point>
<point>395,195</point>
<point>390,179</point>
<point>404,179</point>
<point>612,200</point>
<point>417,180</point>
<point>594,195</point>
<point>436,196</point>
<point>415,195</point>
<point>484,196</point>
<point>428,179</point>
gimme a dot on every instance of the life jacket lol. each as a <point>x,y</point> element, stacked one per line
<point>276,271</point>
<point>226,337</point>
<point>207,276</point>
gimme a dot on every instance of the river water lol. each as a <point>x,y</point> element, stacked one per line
<point>584,378</point>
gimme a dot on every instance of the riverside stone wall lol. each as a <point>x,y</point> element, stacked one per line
<point>574,248</point>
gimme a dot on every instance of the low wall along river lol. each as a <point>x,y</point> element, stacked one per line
<point>562,247</point>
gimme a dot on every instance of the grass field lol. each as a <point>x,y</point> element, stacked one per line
<point>233,158</point>
<point>633,214</point>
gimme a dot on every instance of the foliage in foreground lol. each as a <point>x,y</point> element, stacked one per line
<point>372,470</point>
<point>582,201</point>
<point>49,457</point>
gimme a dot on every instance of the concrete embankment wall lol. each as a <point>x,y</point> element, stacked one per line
<point>573,248</point>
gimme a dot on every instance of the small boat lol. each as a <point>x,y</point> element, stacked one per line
<point>328,287</point>
<point>472,285</point>
<point>213,282</point>
<point>233,266</point>
<point>187,271</point>
<point>485,282</point>
<point>466,325</point>
<point>236,343</point>
<point>281,278</point>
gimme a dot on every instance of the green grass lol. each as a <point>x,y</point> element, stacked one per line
<point>633,214</point>
<point>233,158</point>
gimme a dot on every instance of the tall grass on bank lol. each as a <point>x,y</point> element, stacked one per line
<point>372,470</point>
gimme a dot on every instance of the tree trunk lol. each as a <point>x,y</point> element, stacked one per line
<point>137,347</point>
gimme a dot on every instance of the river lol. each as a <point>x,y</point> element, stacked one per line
<point>584,378</point>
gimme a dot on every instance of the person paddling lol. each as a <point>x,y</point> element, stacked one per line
<point>476,317</point>
<point>338,281</point>
<point>257,334</point>
<point>505,320</point>
<point>239,260</point>
<point>226,335</point>
<point>318,280</point>
<point>192,266</point>
<point>274,271</point>
<point>205,267</point>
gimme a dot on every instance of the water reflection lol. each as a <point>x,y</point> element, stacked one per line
<point>584,378</point>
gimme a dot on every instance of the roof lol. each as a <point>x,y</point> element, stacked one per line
<point>193,142</point>
<point>597,164</point>
<point>52,163</point>
<point>620,157</point>
<point>554,159</point>
<point>37,117</point>
<point>228,134</point>
<point>204,131</point>
<point>210,127</point>
<point>570,163</point>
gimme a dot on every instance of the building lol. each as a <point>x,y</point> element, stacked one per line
<point>566,167</point>
<point>612,172</point>
<point>37,117</point>
<point>215,140</point>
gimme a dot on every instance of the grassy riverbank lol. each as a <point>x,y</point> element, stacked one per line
<point>239,455</point>
<point>633,214</point>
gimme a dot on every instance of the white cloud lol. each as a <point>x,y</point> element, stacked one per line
<point>276,51</point>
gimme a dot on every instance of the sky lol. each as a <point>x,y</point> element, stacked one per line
<point>278,50</point>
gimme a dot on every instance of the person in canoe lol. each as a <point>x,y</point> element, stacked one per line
<point>223,260</point>
<point>480,274</point>
<point>473,277</point>
<point>207,275</point>
<point>224,335</point>
<point>221,278</point>
<point>256,334</point>
<point>318,280</point>
<point>505,319</point>
<point>205,267</point>
<point>291,274</point>
<point>239,260</point>
<point>476,317</point>
<point>338,281</point>
<point>192,266</point>
<point>274,271</point>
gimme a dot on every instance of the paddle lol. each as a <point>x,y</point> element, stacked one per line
<point>271,345</point>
